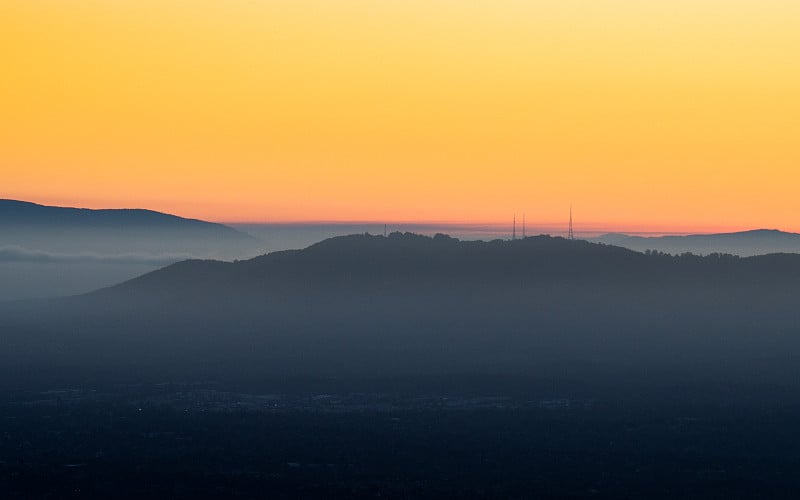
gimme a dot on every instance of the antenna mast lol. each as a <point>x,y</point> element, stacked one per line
<point>514,230</point>
<point>523,227</point>
<point>570,234</point>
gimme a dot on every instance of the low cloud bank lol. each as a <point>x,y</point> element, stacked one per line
<point>13,253</point>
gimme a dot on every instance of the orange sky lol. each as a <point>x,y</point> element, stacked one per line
<point>647,115</point>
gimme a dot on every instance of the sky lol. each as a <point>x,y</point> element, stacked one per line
<point>645,115</point>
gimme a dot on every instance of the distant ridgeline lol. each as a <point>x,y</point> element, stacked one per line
<point>371,307</point>
<point>746,243</point>
<point>59,229</point>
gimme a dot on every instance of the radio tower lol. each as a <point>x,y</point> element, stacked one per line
<point>514,230</point>
<point>570,234</point>
<point>523,226</point>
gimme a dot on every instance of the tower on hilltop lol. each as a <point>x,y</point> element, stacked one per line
<point>514,228</point>
<point>523,227</point>
<point>570,234</point>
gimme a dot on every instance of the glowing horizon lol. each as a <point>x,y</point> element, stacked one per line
<point>534,226</point>
<point>669,117</point>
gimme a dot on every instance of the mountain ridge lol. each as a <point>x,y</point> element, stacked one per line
<point>48,251</point>
<point>401,258</point>
<point>116,231</point>
<point>402,305</point>
<point>16,212</point>
<point>744,243</point>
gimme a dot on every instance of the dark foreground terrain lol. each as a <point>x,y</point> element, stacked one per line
<point>406,367</point>
<point>199,441</point>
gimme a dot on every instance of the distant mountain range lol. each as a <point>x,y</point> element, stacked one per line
<point>50,251</point>
<point>15,212</point>
<point>372,307</point>
<point>114,231</point>
<point>745,243</point>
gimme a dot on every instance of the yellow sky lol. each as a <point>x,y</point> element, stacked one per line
<point>645,114</point>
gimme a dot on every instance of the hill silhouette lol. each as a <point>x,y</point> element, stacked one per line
<point>55,251</point>
<point>368,307</point>
<point>744,243</point>
<point>61,229</point>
